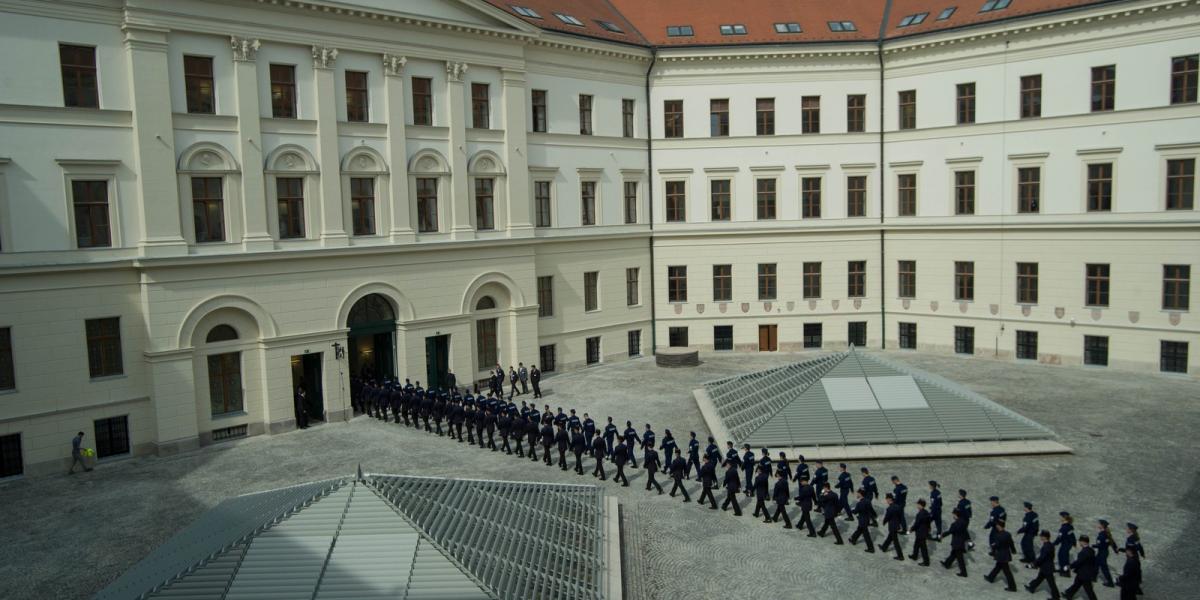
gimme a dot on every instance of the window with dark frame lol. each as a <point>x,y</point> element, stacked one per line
<point>357,97</point>
<point>964,340</point>
<point>587,198</point>
<point>481,108</point>
<point>585,114</point>
<point>104,347</point>
<point>545,295</point>
<point>1177,283</point>
<point>546,356</point>
<point>427,204</point>
<point>538,105</point>
<point>908,109</point>
<point>290,204</point>
<point>635,343</point>
<point>765,198</point>
<point>485,204</point>
<point>225,383</point>
<point>677,337</point>
<point>627,108</point>
<point>676,201</point>
<point>810,114</point>
<point>906,194</point>
<point>631,202</point>
<point>591,291</point>
<point>208,209</point>
<point>283,91</point>
<point>1027,345</point>
<point>8,372</point>
<point>422,98</point>
<point>1029,189</point>
<point>677,283</point>
<point>1104,88</point>
<point>856,113</point>
<point>856,196</point>
<point>965,103</point>
<point>908,336</point>
<point>541,198</point>
<point>112,436</point>
<point>718,117</point>
<point>1173,357</point>
<point>593,350</point>
<point>673,118</point>
<point>1095,350</point>
<point>906,278</point>
<point>811,284</point>
<point>198,85</point>
<point>719,200</point>
<point>722,337</point>
<point>1099,187</point>
<point>79,82</point>
<point>856,279</point>
<point>813,335</point>
<point>1181,183</point>
<point>362,205</point>
<point>1184,71</point>
<point>12,463</point>
<point>766,281</point>
<point>1027,283</point>
<point>487,350</point>
<point>1031,96</point>
<point>722,282</point>
<point>633,287</point>
<point>89,199</point>
<point>810,197</point>
<point>964,280</point>
<point>764,116</point>
<point>1097,282</point>
<point>964,192</point>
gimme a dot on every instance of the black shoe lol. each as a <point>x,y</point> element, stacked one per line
<point>1010,589</point>
<point>961,574</point>
<point>990,579</point>
<point>787,527</point>
<point>925,564</point>
<point>837,543</point>
<point>812,535</point>
<point>870,551</point>
<point>897,558</point>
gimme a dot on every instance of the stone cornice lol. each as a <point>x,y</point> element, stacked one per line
<point>366,13</point>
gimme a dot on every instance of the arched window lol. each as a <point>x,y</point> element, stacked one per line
<point>372,308</point>
<point>485,303</point>
<point>221,333</point>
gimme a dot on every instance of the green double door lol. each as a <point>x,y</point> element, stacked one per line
<point>437,361</point>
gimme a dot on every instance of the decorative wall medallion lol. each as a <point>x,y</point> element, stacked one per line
<point>428,164</point>
<point>1059,312</point>
<point>812,305</point>
<point>289,160</point>
<point>745,307</point>
<point>767,306</point>
<point>364,162</point>
<point>1025,310</point>
<point>835,302</point>
<point>857,303</point>
<point>679,309</point>
<point>1134,316</point>
<point>700,308</point>
<point>1173,318</point>
<point>722,307</point>
<point>1096,314</point>
<point>244,49</point>
<point>933,305</point>
<point>486,164</point>
<point>207,158</point>
<point>791,305</point>
<point>393,64</point>
<point>906,303</point>
<point>323,57</point>
<point>962,307</point>
<point>994,309</point>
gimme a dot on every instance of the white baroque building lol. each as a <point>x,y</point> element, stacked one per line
<point>204,204</point>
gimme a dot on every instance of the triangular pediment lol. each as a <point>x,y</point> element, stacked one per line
<point>454,12</point>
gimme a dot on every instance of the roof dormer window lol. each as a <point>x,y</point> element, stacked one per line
<point>913,19</point>
<point>568,19</point>
<point>609,26</point>
<point>787,28</point>
<point>945,14</point>
<point>842,26</point>
<point>991,5</point>
<point>679,30</point>
<point>525,11</point>
<point>733,30</point>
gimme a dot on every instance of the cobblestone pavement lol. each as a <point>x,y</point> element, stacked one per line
<point>1135,457</point>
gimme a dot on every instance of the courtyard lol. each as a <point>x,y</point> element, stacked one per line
<point>1133,460</point>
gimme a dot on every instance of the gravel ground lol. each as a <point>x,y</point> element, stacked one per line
<point>1135,457</point>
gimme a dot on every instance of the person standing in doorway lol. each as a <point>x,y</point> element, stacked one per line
<point>301,412</point>
<point>77,454</point>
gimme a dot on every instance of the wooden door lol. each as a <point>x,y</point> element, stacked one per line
<point>767,338</point>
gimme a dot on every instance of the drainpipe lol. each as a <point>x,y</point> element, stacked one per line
<point>650,201</point>
<point>887,10</point>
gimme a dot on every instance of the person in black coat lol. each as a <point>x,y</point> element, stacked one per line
<point>1085,570</point>
<point>577,447</point>
<point>653,465</point>
<point>679,469</point>
<point>805,496</point>
<point>760,491</point>
<point>922,524</point>
<point>504,424</point>
<point>1130,580</point>
<point>599,450</point>
<point>893,519</point>
<point>564,442</point>
<point>1028,532</point>
<point>828,501</point>
<point>620,457</point>
<point>547,442</point>
<point>708,480</point>
<point>1002,550</point>
<point>780,494</point>
<point>958,544</point>
<point>1044,563</point>
<point>733,483</point>
<point>863,510</point>
<point>532,431</point>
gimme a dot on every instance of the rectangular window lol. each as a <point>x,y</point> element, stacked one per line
<point>908,336</point>
<point>676,202</point>
<point>964,340</point>
<point>112,436</point>
<point>422,95</point>
<point>1099,187</point>
<point>677,284</point>
<point>90,201</point>
<point>541,197</point>
<point>766,281</point>
<point>964,192</point>
<point>857,334</point>
<point>964,280</point>
<point>198,85</point>
<point>104,347</point>
<point>631,203</point>
<point>908,109</point>
<point>856,196</point>
<point>486,349</point>
<point>591,291</point>
<point>485,218</point>
<point>538,104</point>
<point>1029,189</point>
<point>1104,88</point>
<point>1027,283</point>
<point>1173,356</point>
<point>722,337</point>
<point>1177,280</point>
<point>1181,183</point>
<point>545,292</point>
<point>1031,96</point>
<point>362,205</point>
<point>208,209</point>
<point>764,116</point>
<point>718,118</point>
<point>719,200</point>
<point>812,280</point>
<point>856,113</point>
<point>8,374</point>
<point>810,114</point>
<point>357,99</point>
<point>635,343</point>
<point>481,108</point>
<point>427,204</point>
<point>965,103</point>
<point>225,383</point>
<point>1097,285</point>
<point>856,279</point>
<point>765,196</point>
<point>290,204</point>
<point>627,106</point>
<point>11,461</point>
<point>1027,345</point>
<point>1183,79</point>
<point>585,114</point>
<point>587,199</point>
<point>673,118</point>
<point>906,278</point>
<point>283,91</point>
<point>1095,350</point>
<point>546,354</point>
<point>906,194</point>
<point>677,337</point>
<point>78,64</point>
<point>722,281</point>
<point>593,350</point>
<point>632,286</point>
<point>810,197</point>
<point>812,335</point>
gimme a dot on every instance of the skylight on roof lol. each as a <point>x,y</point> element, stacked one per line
<point>679,30</point>
<point>991,5</point>
<point>913,19</point>
<point>525,11</point>
<point>610,26</point>
<point>733,30</point>
<point>787,28</point>
<point>568,19</point>
<point>842,26</point>
<point>946,13</point>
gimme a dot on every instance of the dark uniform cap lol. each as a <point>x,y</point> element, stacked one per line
<point>1103,522</point>
<point>746,446</point>
<point>842,465</point>
<point>865,470</point>
<point>1131,526</point>
<point>962,492</point>
<point>1064,514</point>
<point>994,498</point>
<point>1028,504</point>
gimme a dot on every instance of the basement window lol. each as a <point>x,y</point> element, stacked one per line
<point>841,26</point>
<point>569,20</point>
<point>679,30</point>
<point>787,28</point>
<point>525,11</point>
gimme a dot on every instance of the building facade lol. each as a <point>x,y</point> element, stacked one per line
<point>205,206</point>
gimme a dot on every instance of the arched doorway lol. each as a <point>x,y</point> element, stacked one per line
<point>372,339</point>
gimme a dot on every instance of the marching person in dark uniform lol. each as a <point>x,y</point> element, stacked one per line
<point>589,433</point>
<point>708,479</point>
<point>829,510</point>
<point>469,418</point>
<point>863,510</point>
<point>805,496</point>
<point>801,469</point>
<point>900,493</point>
<point>1065,541</point>
<point>1002,550</point>
<point>781,496</point>
<point>648,438</point>
<point>820,476</point>
<point>713,453</point>
<point>547,442</point>
<point>1044,563</point>
<point>532,432</point>
<point>958,544</point>
<point>563,441</point>
<point>693,458</point>
<point>733,484</point>
<point>489,423</point>
<point>667,445</point>
<point>620,455</point>
<point>731,456</point>
<point>518,429</point>
<point>871,488</point>
<point>964,512</point>
<point>1104,543</point>
<point>997,514</point>
<point>1133,540</point>
<point>632,441</point>
<point>845,483</point>
<point>892,519</point>
<point>783,465</point>
<point>679,473</point>
<point>512,383</point>
<point>599,451</point>
<point>760,491</point>
<point>573,421</point>
<point>535,379</point>
<point>748,468</point>
<point>504,424</point>
<point>1085,570</point>
<point>610,434</point>
<point>439,411</point>
<point>920,527</point>
<point>653,466</point>
<point>1130,580</point>
<point>577,447</point>
<point>935,507</point>
<point>481,413</point>
<point>1028,532</point>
